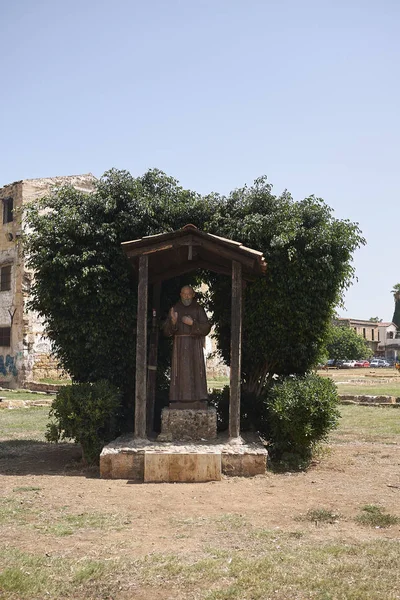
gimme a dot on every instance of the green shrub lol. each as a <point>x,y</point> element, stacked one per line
<point>252,410</point>
<point>300,412</point>
<point>86,413</point>
<point>292,416</point>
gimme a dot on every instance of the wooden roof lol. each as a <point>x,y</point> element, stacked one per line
<point>188,249</point>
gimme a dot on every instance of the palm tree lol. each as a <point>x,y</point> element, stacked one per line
<point>396,296</point>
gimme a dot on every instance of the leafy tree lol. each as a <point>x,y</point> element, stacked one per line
<point>86,292</point>
<point>287,314</point>
<point>84,287</point>
<point>396,314</point>
<point>375,320</point>
<point>344,342</point>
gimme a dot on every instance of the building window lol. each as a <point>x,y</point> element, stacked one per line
<point>364,333</point>
<point>355,329</point>
<point>8,206</point>
<point>5,336</point>
<point>372,335</point>
<point>5,278</point>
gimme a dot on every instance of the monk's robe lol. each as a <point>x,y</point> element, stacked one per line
<point>188,373</point>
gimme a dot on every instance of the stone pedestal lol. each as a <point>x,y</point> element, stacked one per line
<point>146,461</point>
<point>181,467</point>
<point>188,425</point>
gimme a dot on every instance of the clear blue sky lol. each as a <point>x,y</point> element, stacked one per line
<point>216,93</point>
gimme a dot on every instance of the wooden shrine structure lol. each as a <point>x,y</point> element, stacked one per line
<point>157,258</point>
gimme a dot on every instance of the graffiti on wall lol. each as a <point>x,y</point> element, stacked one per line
<point>8,365</point>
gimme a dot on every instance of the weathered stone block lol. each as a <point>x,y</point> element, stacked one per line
<point>177,467</point>
<point>124,465</point>
<point>105,466</point>
<point>244,465</point>
<point>188,425</point>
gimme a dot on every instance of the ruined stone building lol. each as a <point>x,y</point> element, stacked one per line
<point>25,352</point>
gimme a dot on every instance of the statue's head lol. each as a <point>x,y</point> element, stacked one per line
<point>187,295</point>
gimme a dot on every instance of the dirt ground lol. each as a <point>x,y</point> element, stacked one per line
<point>181,518</point>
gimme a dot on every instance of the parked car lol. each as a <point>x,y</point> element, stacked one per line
<point>376,363</point>
<point>362,363</point>
<point>349,364</point>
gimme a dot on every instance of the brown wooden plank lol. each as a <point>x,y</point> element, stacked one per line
<point>153,355</point>
<point>236,351</point>
<point>141,350</point>
<point>228,253</point>
<point>187,268</point>
<point>210,245</point>
<point>157,244</point>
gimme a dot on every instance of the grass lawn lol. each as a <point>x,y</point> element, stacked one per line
<point>376,389</point>
<point>23,423</point>
<point>349,381</point>
<point>24,395</point>
<point>329,534</point>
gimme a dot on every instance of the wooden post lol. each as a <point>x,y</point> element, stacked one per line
<point>141,350</point>
<point>236,351</point>
<point>153,352</point>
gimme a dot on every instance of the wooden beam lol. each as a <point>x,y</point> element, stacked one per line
<point>153,355</point>
<point>236,351</point>
<point>234,254</point>
<point>141,350</point>
<point>150,246</point>
<point>193,265</point>
<point>219,249</point>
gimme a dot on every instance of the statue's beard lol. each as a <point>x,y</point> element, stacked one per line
<point>186,301</point>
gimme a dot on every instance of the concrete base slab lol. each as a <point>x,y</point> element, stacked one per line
<point>185,468</point>
<point>147,461</point>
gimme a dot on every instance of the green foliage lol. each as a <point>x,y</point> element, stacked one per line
<point>86,292</point>
<point>374,516</point>
<point>286,315</point>
<point>252,410</point>
<point>321,515</point>
<point>345,343</point>
<point>293,415</point>
<point>84,287</point>
<point>300,412</point>
<point>86,413</point>
<point>396,314</point>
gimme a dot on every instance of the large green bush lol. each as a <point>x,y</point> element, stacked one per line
<point>299,413</point>
<point>287,313</point>
<point>86,413</point>
<point>86,290</point>
<point>293,416</point>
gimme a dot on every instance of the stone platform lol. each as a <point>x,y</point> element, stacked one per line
<point>156,461</point>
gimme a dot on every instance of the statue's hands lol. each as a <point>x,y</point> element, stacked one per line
<point>174,316</point>
<point>187,320</point>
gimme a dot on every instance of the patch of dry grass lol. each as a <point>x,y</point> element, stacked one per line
<point>368,423</point>
<point>283,568</point>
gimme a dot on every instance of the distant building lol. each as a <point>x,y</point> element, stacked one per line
<point>25,352</point>
<point>382,338</point>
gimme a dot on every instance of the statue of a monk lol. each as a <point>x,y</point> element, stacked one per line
<point>188,324</point>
